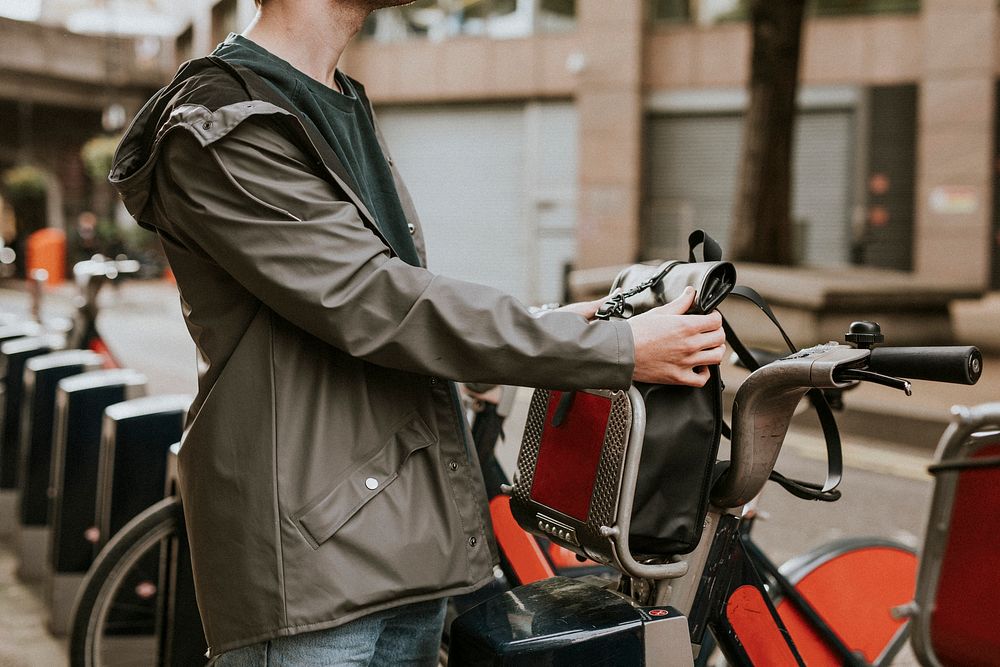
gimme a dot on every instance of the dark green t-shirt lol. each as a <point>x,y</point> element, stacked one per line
<point>344,121</point>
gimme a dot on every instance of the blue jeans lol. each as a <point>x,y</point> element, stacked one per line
<point>407,635</point>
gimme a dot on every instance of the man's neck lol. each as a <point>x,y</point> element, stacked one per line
<point>311,35</point>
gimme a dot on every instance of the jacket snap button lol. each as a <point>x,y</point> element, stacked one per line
<point>412,229</point>
<point>371,483</point>
<point>453,465</point>
<point>432,381</point>
<point>473,541</point>
<point>207,125</point>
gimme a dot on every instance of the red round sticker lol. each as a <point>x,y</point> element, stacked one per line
<point>659,612</point>
<point>145,590</point>
<point>878,183</point>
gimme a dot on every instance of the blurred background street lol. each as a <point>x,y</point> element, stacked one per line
<point>548,143</point>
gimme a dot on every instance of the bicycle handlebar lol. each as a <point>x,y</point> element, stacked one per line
<point>957,365</point>
<point>767,399</point>
<point>763,410</point>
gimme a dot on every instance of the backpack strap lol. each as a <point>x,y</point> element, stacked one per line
<point>711,251</point>
<point>831,434</point>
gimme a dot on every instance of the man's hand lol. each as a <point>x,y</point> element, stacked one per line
<point>674,348</point>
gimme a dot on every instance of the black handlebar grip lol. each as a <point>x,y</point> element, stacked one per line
<point>958,365</point>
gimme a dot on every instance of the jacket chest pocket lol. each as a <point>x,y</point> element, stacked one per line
<point>321,520</point>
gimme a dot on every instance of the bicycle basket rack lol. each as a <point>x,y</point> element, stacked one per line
<point>576,476</point>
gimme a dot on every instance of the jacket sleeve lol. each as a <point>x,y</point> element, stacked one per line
<point>253,204</point>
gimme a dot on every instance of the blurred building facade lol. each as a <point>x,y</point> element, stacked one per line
<point>622,129</point>
<point>533,133</point>
<point>73,71</point>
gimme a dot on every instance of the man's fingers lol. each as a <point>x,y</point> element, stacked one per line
<point>696,377</point>
<point>672,347</point>
<point>705,341</point>
<point>710,322</point>
<point>710,357</point>
<point>681,304</point>
<point>693,324</point>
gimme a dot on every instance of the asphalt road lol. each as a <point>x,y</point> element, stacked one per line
<point>142,324</point>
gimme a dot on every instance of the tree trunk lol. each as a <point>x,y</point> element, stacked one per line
<point>762,226</point>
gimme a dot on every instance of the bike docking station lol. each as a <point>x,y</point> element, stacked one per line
<point>132,474</point>
<point>80,404</point>
<point>14,330</point>
<point>42,374</point>
<point>14,354</point>
<point>10,330</point>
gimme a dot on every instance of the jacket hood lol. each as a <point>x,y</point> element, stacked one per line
<point>198,84</point>
<point>208,98</point>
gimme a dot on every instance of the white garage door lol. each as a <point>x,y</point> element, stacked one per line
<point>495,187</point>
<point>691,172</point>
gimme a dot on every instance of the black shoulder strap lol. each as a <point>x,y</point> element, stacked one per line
<point>711,251</point>
<point>831,434</point>
<point>754,297</point>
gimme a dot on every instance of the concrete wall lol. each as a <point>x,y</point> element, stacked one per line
<point>206,31</point>
<point>954,150</point>
<point>855,50</point>
<point>464,69</point>
<point>54,86</point>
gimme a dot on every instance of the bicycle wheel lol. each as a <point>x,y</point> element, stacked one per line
<point>854,584</point>
<point>119,611</point>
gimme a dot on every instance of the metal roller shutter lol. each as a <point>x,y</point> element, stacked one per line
<point>495,187</point>
<point>691,172</point>
<point>690,180</point>
<point>821,196</point>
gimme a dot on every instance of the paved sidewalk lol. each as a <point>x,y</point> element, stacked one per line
<point>24,639</point>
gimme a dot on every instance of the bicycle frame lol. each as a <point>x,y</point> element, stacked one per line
<point>732,601</point>
<point>829,626</point>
